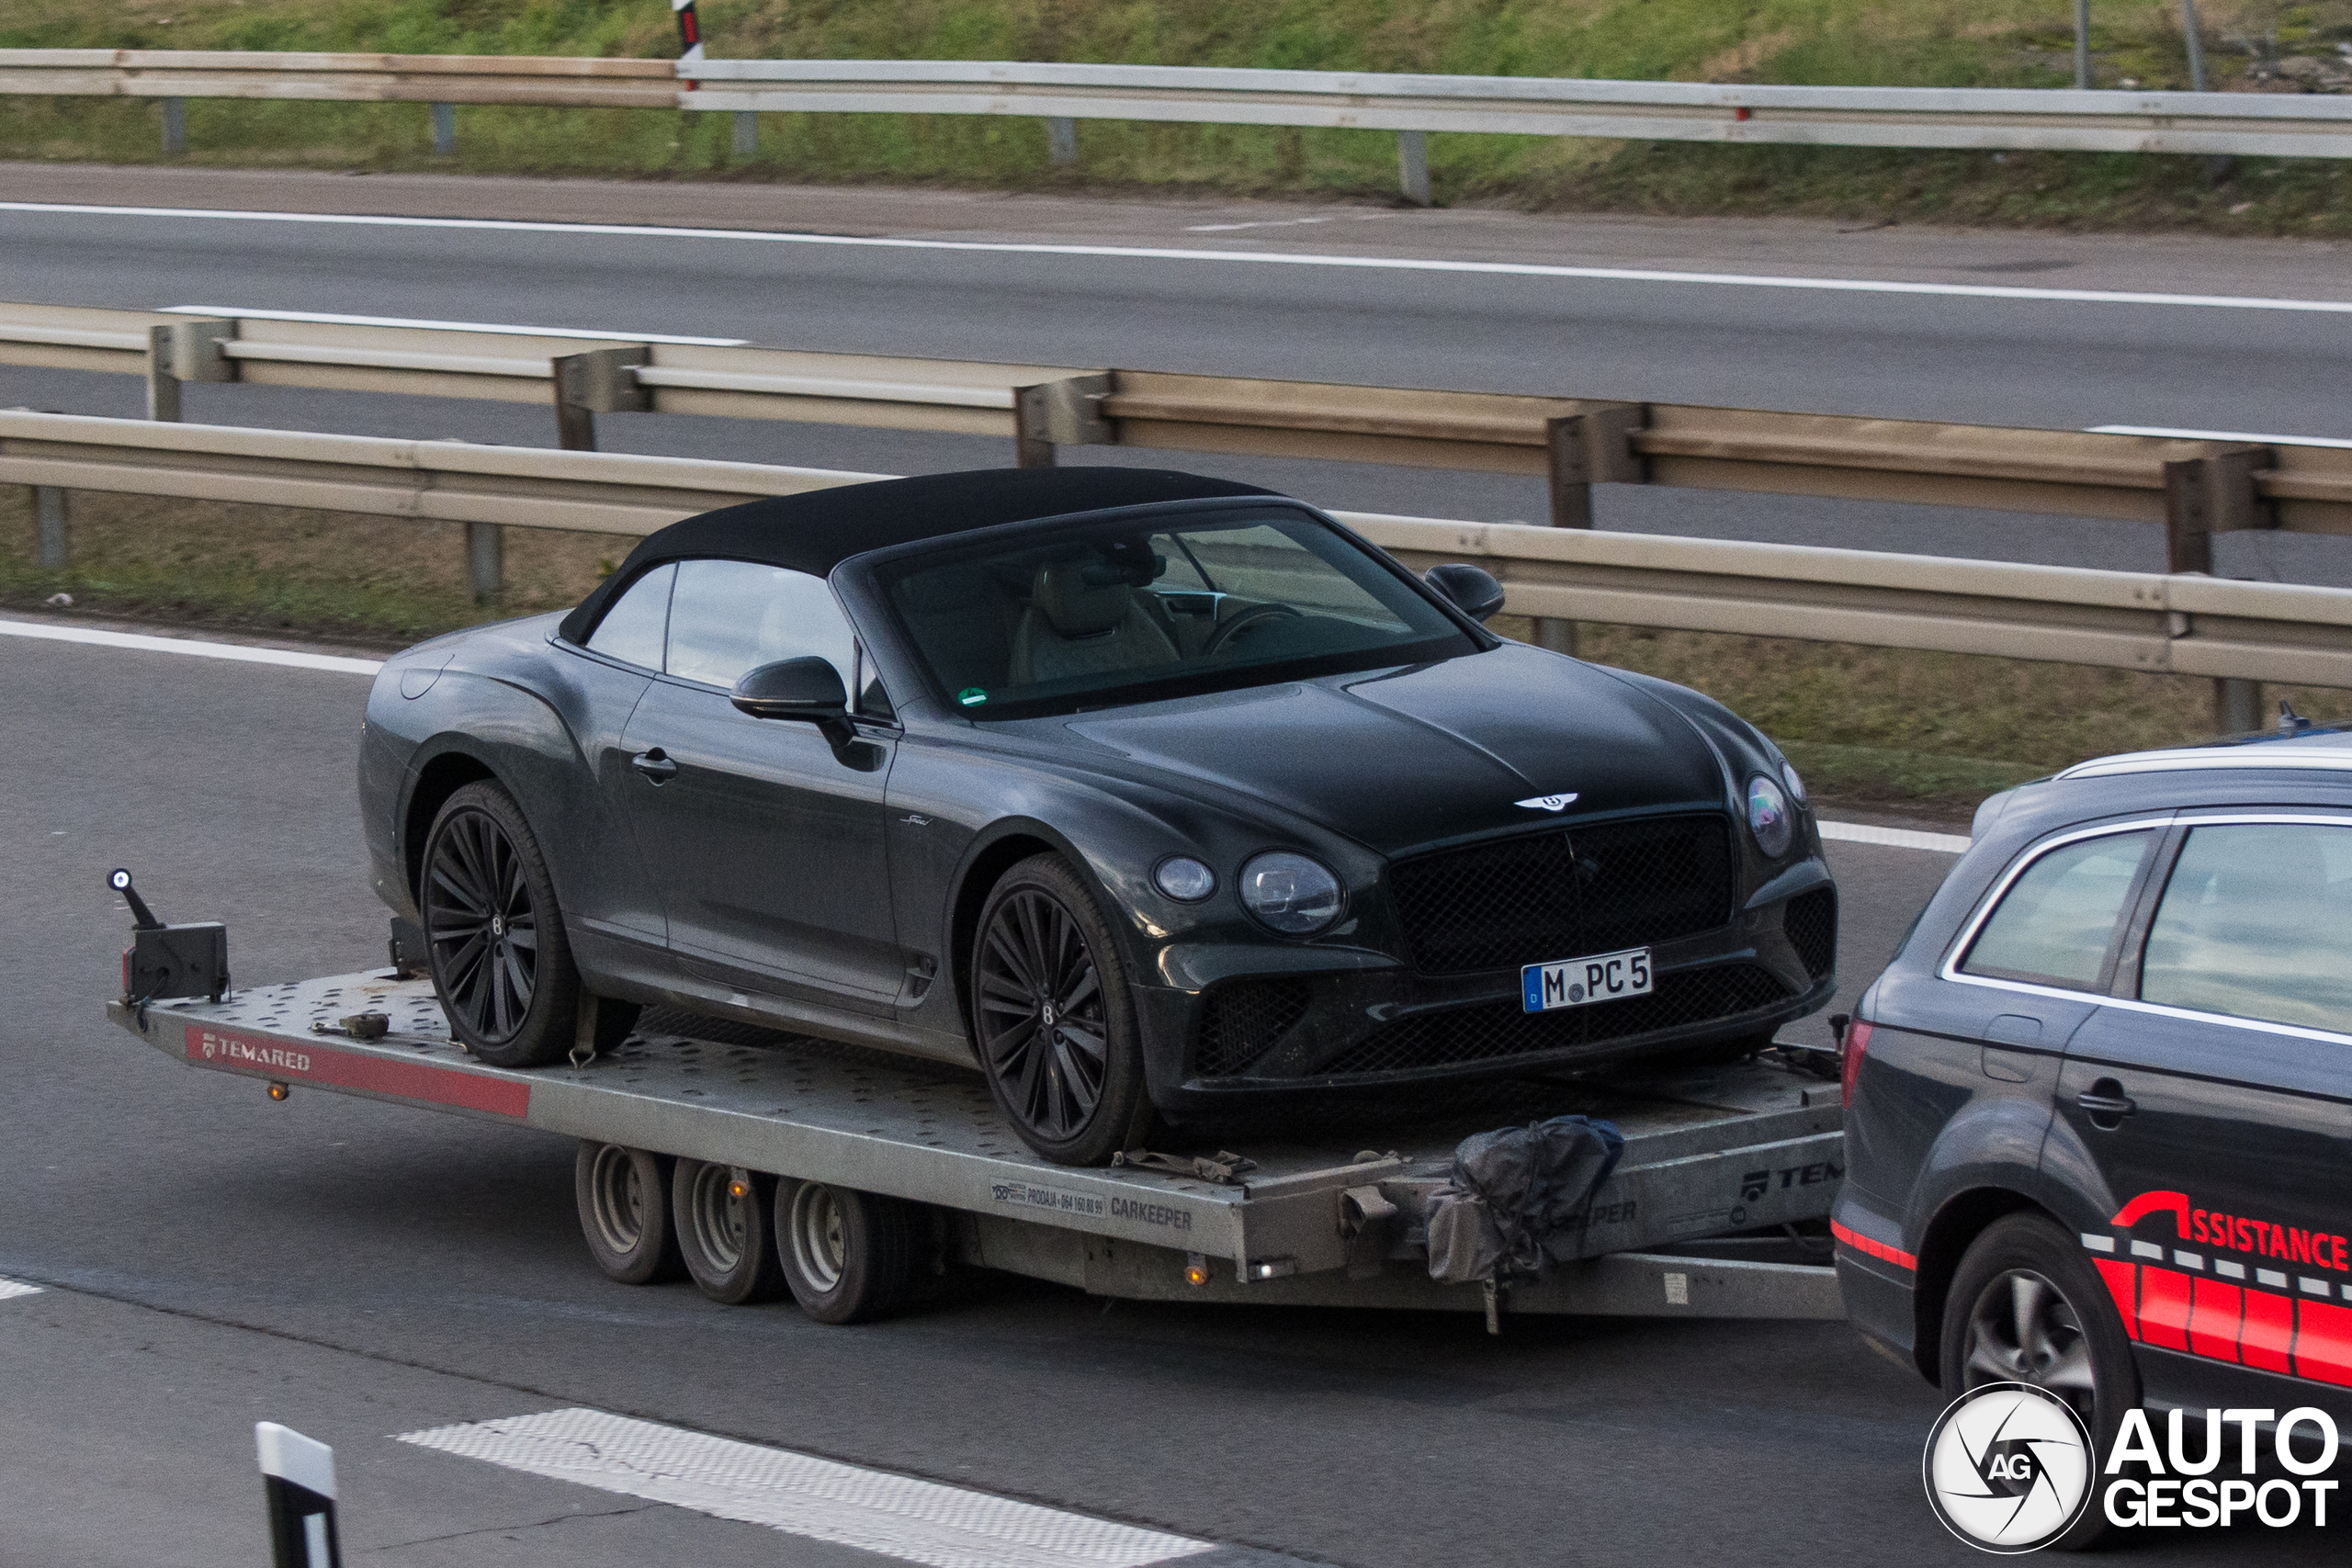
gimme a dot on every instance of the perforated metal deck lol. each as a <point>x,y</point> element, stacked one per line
<point>1736,1148</point>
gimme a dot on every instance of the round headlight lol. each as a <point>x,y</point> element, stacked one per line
<point>1769,817</point>
<point>1183,879</point>
<point>1795,780</point>
<point>1291,893</point>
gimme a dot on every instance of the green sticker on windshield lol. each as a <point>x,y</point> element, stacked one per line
<point>971,696</point>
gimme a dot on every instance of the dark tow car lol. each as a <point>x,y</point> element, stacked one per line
<point>2098,1127</point>
<point>1144,790</point>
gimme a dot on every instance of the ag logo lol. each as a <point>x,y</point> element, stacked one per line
<point>2008,1468</point>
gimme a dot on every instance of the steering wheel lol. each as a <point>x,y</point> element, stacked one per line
<point>1251,617</point>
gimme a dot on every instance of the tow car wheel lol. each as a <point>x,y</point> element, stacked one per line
<point>493,937</point>
<point>723,1231</point>
<point>2025,1307</point>
<point>848,1257</point>
<point>1052,1019</point>
<point>624,1200</point>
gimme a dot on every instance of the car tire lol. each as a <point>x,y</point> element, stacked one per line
<point>2021,1302</point>
<point>723,1232</point>
<point>1047,986</point>
<point>624,1200</point>
<point>493,935</point>
<point>848,1257</point>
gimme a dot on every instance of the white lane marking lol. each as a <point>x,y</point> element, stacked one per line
<point>10,1289</point>
<point>1895,838</point>
<point>1254,258</point>
<point>236,653</point>
<point>2169,433</point>
<point>919,1521</point>
<point>329,318</point>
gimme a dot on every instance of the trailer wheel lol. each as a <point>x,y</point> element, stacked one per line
<point>723,1234</point>
<point>623,1198</point>
<point>848,1257</point>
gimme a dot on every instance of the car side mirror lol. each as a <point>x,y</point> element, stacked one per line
<point>1473,590</point>
<point>808,689</point>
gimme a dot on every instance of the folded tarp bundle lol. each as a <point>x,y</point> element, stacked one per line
<point>1518,1199</point>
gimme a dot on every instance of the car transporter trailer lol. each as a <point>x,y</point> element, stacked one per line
<point>1750,1147</point>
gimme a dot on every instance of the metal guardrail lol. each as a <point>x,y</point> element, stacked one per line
<point>2196,488</point>
<point>2249,124</point>
<point>2173,624</point>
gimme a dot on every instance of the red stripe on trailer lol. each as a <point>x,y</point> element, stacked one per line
<point>2268,1333</point>
<point>2323,1343</point>
<point>2214,1312</point>
<point>229,1050</point>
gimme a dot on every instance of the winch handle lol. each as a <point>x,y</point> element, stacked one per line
<point>142,918</point>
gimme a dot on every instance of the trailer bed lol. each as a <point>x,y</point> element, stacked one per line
<point>1740,1148</point>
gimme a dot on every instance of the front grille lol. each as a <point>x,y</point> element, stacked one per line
<point>1496,1029</point>
<point>1811,922</point>
<point>1240,1021</point>
<point>1564,893</point>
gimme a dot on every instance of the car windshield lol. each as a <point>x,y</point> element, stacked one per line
<point>1113,613</point>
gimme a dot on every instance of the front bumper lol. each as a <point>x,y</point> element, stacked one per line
<point>1318,1029</point>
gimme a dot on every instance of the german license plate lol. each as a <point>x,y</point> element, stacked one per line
<point>1579,982</point>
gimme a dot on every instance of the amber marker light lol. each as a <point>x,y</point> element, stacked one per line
<point>279,1090</point>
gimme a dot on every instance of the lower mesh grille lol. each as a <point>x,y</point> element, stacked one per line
<point>1494,1029</point>
<point>1811,922</point>
<point>1241,1020</point>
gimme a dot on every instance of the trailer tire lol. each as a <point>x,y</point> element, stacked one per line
<point>723,1232</point>
<point>624,1200</point>
<point>848,1257</point>
<point>485,885</point>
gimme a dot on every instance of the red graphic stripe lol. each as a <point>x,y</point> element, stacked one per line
<point>2323,1343</point>
<point>2215,1310</point>
<point>2147,1203</point>
<point>1877,1250</point>
<point>2266,1337</point>
<point>231,1051</point>
<point>2219,1322</point>
<point>2122,1284</point>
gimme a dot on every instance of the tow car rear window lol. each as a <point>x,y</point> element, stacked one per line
<point>2056,924</point>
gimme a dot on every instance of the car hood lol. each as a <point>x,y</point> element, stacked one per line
<point>1406,758</point>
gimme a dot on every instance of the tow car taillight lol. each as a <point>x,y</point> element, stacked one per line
<point>1849,1059</point>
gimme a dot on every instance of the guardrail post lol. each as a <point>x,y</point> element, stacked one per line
<point>1059,413</point>
<point>1061,141</point>
<point>601,380</point>
<point>1413,166</point>
<point>175,125</point>
<point>747,133</point>
<point>49,518</point>
<point>445,131</point>
<point>1582,450</point>
<point>185,351</point>
<point>2204,496</point>
<point>486,561</point>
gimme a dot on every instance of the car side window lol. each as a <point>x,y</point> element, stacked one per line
<point>633,630</point>
<point>728,618</point>
<point>2257,922</point>
<point>2057,922</point>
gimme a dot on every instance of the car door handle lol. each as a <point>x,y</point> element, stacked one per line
<point>656,765</point>
<point>2109,1107</point>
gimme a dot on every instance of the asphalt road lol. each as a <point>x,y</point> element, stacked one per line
<point>357,1271</point>
<point>2028,361</point>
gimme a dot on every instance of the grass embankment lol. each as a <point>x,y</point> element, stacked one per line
<point>1918,731</point>
<point>1873,43</point>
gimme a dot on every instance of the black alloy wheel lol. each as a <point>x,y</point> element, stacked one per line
<point>1052,1019</point>
<point>493,937</point>
<point>2026,1307</point>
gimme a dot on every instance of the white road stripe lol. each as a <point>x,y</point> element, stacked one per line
<point>2217,436</point>
<point>11,1288</point>
<point>919,1521</point>
<point>236,653</point>
<point>1895,838</point>
<point>1252,258</point>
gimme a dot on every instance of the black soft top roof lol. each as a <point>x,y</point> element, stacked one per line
<point>817,531</point>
